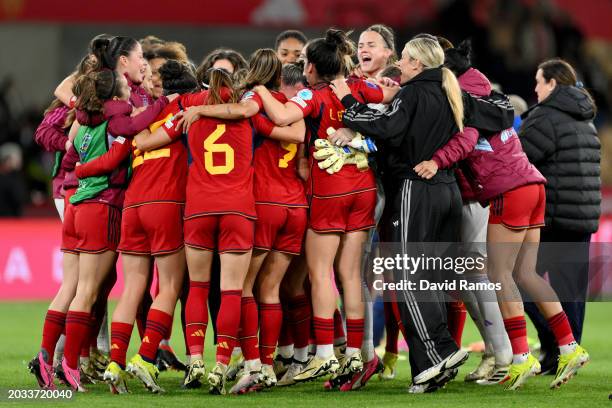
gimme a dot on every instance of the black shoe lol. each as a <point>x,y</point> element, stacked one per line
<point>549,363</point>
<point>167,360</point>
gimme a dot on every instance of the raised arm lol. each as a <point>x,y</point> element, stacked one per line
<point>63,92</point>
<point>293,133</point>
<point>281,114</point>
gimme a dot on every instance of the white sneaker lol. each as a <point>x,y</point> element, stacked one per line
<point>484,369</point>
<point>454,360</point>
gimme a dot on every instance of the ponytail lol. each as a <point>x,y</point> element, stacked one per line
<point>93,89</point>
<point>331,55</point>
<point>218,80</point>
<point>453,94</point>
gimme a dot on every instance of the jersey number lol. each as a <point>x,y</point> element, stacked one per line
<point>211,147</point>
<point>291,149</point>
<point>139,158</point>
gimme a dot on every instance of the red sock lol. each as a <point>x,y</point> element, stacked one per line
<point>354,330</point>
<point>158,325</point>
<point>561,328</point>
<point>284,338</point>
<point>324,330</point>
<point>196,317</point>
<point>87,339</point>
<point>248,328</point>
<point>339,335</point>
<point>270,320</point>
<point>455,316</point>
<point>300,317</point>
<point>120,340</point>
<point>77,329</point>
<point>52,330</point>
<point>228,323</point>
<point>516,327</point>
<point>392,329</point>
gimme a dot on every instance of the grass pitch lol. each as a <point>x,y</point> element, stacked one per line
<point>20,333</point>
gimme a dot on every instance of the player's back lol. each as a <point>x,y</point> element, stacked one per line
<point>221,175</point>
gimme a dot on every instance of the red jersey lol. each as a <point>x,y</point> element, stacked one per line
<point>276,178</point>
<point>220,178</point>
<point>160,175</point>
<point>322,110</point>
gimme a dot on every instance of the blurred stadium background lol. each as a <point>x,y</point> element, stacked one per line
<point>42,41</point>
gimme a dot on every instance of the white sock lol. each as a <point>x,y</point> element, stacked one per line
<point>519,358</point>
<point>236,351</point>
<point>300,354</point>
<point>164,342</point>
<point>103,339</point>
<point>351,350</point>
<point>286,351</point>
<point>493,324</point>
<point>325,350</point>
<point>252,365</point>
<point>568,348</point>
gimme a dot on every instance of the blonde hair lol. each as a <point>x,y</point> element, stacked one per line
<point>431,55</point>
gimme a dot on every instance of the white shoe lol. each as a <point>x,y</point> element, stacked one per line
<point>454,360</point>
<point>484,369</point>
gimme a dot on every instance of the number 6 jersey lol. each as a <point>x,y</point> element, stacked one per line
<point>220,178</point>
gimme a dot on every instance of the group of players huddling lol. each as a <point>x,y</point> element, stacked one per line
<point>170,165</point>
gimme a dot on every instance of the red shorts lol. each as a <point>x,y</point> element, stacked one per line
<point>223,232</point>
<point>152,229</point>
<point>352,212</point>
<point>91,228</point>
<point>521,208</point>
<point>280,228</point>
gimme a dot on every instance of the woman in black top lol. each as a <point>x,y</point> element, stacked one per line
<point>422,117</point>
<point>559,138</point>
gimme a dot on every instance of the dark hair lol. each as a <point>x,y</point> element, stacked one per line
<point>459,59</point>
<point>564,74</point>
<point>444,42</point>
<point>232,56</point>
<point>330,55</point>
<point>293,74</point>
<point>264,69</point>
<point>93,89</point>
<point>298,35</point>
<point>108,51</point>
<point>388,37</point>
<point>220,79</point>
<point>93,44</point>
<point>393,72</point>
<point>170,51</point>
<point>177,77</point>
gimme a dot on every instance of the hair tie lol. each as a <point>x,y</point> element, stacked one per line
<point>579,84</point>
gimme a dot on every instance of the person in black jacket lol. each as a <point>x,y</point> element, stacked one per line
<point>560,139</point>
<point>426,112</point>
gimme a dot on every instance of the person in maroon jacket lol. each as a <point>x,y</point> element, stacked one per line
<point>501,175</point>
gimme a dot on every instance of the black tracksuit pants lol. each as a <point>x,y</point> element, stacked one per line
<point>424,212</point>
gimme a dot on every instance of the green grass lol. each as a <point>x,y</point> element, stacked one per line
<point>20,330</point>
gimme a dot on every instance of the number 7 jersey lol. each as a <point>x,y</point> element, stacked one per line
<point>220,178</point>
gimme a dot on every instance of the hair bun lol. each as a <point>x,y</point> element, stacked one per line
<point>335,37</point>
<point>172,69</point>
<point>465,48</point>
<point>459,59</point>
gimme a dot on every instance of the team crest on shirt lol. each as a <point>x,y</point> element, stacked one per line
<point>305,94</point>
<point>86,142</point>
<point>248,95</point>
<point>507,134</point>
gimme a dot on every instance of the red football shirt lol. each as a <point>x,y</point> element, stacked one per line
<point>276,178</point>
<point>322,110</point>
<point>220,178</point>
<point>160,175</point>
